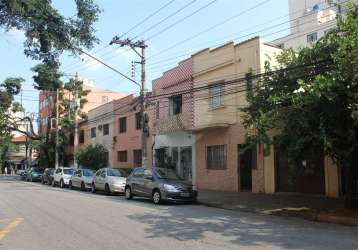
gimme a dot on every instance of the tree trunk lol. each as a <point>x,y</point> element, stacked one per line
<point>350,175</point>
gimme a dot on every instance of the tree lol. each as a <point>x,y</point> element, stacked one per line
<point>93,157</point>
<point>48,33</point>
<point>309,103</point>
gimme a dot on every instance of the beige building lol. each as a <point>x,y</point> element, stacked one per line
<point>221,161</point>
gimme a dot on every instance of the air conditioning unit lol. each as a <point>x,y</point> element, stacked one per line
<point>100,127</point>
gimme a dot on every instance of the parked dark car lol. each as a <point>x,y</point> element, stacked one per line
<point>159,184</point>
<point>47,177</point>
<point>35,174</point>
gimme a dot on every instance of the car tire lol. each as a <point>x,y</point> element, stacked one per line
<point>93,188</point>
<point>128,193</point>
<point>62,184</point>
<point>107,191</point>
<point>156,197</point>
<point>70,185</point>
<point>83,187</point>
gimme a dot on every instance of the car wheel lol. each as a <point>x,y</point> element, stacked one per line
<point>83,188</point>
<point>70,185</point>
<point>93,188</point>
<point>107,190</point>
<point>62,184</point>
<point>128,193</point>
<point>156,196</point>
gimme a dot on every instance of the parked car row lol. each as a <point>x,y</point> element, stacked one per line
<point>158,184</point>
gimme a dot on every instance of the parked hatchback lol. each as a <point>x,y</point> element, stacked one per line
<point>34,174</point>
<point>109,180</point>
<point>159,184</point>
<point>81,178</point>
<point>47,176</point>
<point>62,176</point>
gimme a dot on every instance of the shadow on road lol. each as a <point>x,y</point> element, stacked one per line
<point>244,228</point>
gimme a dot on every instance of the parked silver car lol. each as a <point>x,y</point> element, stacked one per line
<point>81,178</point>
<point>109,180</point>
<point>62,176</point>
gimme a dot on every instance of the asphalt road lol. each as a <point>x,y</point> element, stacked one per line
<point>33,216</point>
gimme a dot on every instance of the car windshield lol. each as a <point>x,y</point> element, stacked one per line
<point>114,172</point>
<point>166,174</point>
<point>37,170</point>
<point>51,170</point>
<point>68,171</point>
<point>88,172</point>
<point>126,171</point>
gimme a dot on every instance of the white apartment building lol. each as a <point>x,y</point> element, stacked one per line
<point>309,21</point>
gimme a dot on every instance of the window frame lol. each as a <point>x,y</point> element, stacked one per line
<point>93,133</point>
<point>213,95</point>
<point>312,35</point>
<point>212,163</point>
<point>122,125</point>
<point>105,129</point>
<point>138,122</point>
<point>173,104</point>
<point>125,156</point>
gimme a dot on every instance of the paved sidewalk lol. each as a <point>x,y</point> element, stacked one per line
<point>311,207</point>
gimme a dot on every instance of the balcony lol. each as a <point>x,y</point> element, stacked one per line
<point>173,123</point>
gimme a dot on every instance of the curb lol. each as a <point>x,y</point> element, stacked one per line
<point>305,215</point>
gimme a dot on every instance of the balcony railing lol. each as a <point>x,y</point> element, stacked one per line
<point>173,123</point>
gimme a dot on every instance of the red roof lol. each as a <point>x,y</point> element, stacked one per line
<point>21,138</point>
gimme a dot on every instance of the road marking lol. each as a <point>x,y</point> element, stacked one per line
<point>10,227</point>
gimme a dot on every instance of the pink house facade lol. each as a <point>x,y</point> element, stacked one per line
<point>173,141</point>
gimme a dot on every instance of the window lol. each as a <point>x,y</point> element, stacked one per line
<point>216,95</point>
<point>98,173</point>
<point>122,156</point>
<point>123,125</point>
<point>138,123</point>
<point>81,137</point>
<point>72,140</point>
<point>104,99</point>
<point>93,132</point>
<point>311,38</point>
<point>106,129</point>
<point>175,105</point>
<point>216,157</point>
<point>137,158</point>
<point>157,107</point>
<point>281,46</point>
<point>138,172</point>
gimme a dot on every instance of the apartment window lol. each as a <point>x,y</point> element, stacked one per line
<point>175,105</point>
<point>106,129</point>
<point>216,157</point>
<point>122,156</point>
<point>93,132</point>
<point>137,158</point>
<point>157,107</point>
<point>216,95</point>
<point>123,125</point>
<point>138,123</point>
<point>311,38</point>
<point>81,137</point>
<point>104,99</point>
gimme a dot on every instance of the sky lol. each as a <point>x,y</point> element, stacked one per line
<point>174,39</point>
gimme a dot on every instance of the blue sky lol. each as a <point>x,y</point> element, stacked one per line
<point>119,16</point>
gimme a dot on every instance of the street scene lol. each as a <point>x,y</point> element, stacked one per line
<point>179,124</point>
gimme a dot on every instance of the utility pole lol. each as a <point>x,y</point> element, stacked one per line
<point>144,118</point>
<point>76,106</point>
<point>57,127</point>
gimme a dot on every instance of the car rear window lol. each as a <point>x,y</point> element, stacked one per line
<point>68,171</point>
<point>88,172</point>
<point>38,170</point>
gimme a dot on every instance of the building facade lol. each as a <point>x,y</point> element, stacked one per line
<point>127,132</point>
<point>174,142</point>
<point>310,20</point>
<point>221,162</point>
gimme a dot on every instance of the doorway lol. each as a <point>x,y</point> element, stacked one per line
<point>185,163</point>
<point>246,160</point>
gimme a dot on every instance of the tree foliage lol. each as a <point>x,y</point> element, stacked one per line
<point>309,102</point>
<point>48,33</point>
<point>93,157</point>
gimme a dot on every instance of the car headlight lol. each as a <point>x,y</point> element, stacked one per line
<point>170,188</point>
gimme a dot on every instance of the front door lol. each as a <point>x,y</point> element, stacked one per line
<point>245,167</point>
<point>185,170</point>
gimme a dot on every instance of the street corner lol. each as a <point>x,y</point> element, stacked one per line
<point>7,225</point>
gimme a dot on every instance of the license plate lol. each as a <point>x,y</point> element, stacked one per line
<point>184,194</point>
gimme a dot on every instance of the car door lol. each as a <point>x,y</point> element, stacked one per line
<point>135,180</point>
<point>102,179</point>
<point>96,178</point>
<point>57,175</point>
<point>75,178</point>
<point>147,183</point>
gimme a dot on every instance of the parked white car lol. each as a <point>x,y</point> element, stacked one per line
<point>81,178</point>
<point>62,176</point>
<point>109,180</point>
